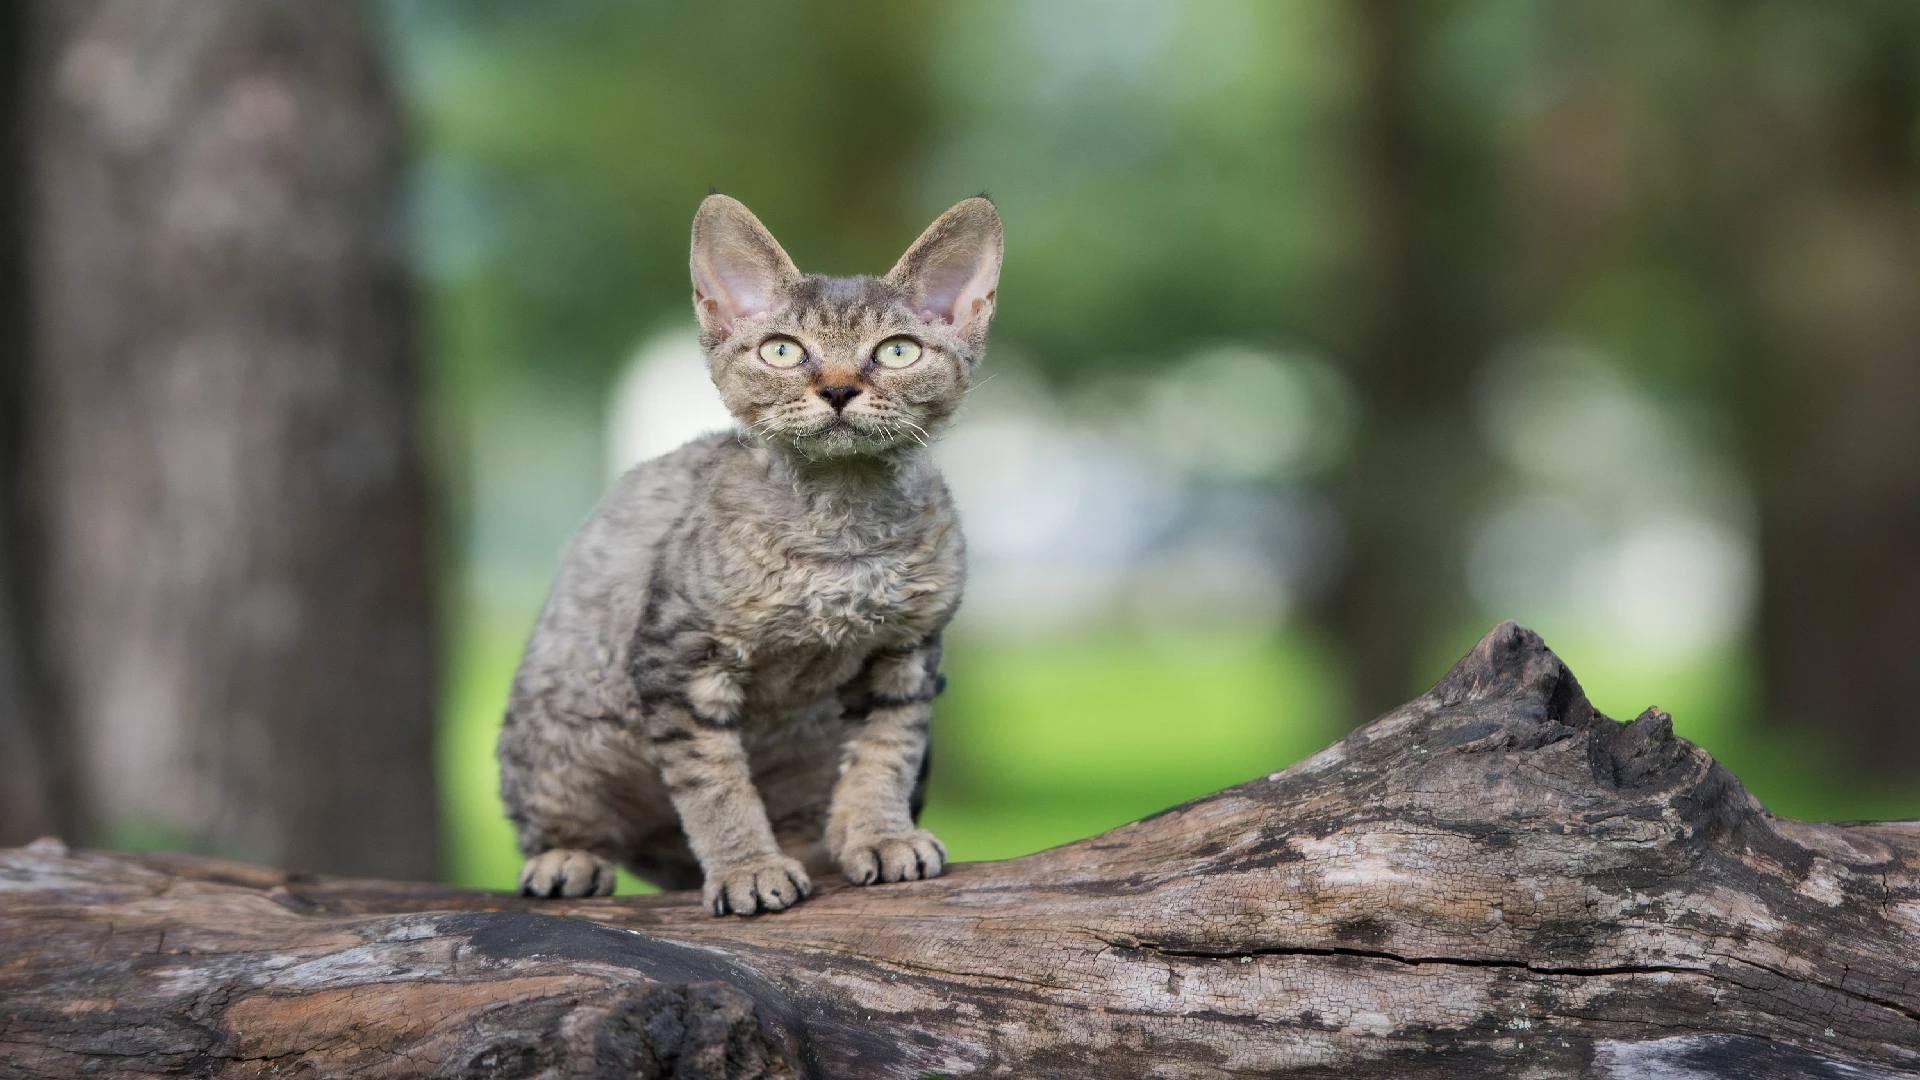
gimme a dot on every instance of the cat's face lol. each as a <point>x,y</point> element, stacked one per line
<point>836,367</point>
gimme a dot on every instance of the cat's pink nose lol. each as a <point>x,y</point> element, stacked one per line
<point>838,396</point>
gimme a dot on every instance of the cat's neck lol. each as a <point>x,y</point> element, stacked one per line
<point>856,494</point>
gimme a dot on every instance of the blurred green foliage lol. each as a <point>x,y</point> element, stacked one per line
<point>1168,172</point>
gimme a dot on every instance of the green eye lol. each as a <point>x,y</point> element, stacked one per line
<point>897,352</point>
<point>782,352</point>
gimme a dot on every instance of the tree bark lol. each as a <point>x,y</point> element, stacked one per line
<point>234,588</point>
<point>1491,880</point>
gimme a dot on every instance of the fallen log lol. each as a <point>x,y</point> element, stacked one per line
<point>1491,880</point>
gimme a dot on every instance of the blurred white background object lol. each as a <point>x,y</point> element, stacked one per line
<point>662,399</point>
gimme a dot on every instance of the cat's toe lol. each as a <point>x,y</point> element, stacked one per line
<point>566,872</point>
<point>774,883</point>
<point>907,856</point>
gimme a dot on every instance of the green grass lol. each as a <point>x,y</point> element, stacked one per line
<point>1045,741</point>
<point>479,842</point>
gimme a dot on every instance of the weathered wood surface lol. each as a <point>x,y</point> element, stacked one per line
<point>1493,880</point>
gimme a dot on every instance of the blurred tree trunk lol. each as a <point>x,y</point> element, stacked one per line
<point>1820,187</point>
<point>26,786</point>
<point>236,595</point>
<point>1406,496</point>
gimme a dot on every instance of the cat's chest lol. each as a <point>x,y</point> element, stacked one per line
<point>848,601</point>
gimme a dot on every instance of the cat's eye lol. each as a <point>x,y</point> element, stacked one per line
<point>782,352</point>
<point>897,352</point>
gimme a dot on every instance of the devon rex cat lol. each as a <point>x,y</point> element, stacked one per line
<point>731,679</point>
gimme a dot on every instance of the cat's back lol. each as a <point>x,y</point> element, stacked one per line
<point>620,537</point>
<point>597,595</point>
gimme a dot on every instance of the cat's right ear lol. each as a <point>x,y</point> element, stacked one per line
<point>951,273</point>
<point>738,267</point>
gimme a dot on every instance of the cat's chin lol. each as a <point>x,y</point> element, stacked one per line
<point>843,439</point>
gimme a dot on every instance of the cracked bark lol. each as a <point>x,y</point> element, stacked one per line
<point>1491,880</point>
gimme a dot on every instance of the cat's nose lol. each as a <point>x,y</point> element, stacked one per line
<point>838,396</point>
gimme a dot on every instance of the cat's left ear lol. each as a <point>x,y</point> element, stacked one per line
<point>951,272</point>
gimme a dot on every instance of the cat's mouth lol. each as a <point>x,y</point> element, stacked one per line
<point>837,424</point>
<point>841,436</point>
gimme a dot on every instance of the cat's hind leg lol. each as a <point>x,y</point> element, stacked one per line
<point>557,773</point>
<point>566,872</point>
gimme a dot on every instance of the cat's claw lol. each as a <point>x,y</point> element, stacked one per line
<point>769,883</point>
<point>908,856</point>
<point>566,872</point>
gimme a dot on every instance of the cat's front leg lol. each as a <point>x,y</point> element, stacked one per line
<point>696,742</point>
<point>870,830</point>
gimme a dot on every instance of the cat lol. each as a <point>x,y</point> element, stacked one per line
<point>730,683</point>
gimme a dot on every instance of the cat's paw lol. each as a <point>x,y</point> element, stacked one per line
<point>567,872</point>
<point>749,887</point>
<point>867,858</point>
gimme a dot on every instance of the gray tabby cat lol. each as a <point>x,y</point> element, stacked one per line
<point>731,680</point>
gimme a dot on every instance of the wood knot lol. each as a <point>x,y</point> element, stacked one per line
<point>51,846</point>
<point>1641,753</point>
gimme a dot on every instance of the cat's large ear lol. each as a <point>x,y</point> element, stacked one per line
<point>738,267</point>
<point>951,272</point>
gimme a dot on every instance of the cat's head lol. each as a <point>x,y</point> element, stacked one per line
<point>836,367</point>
